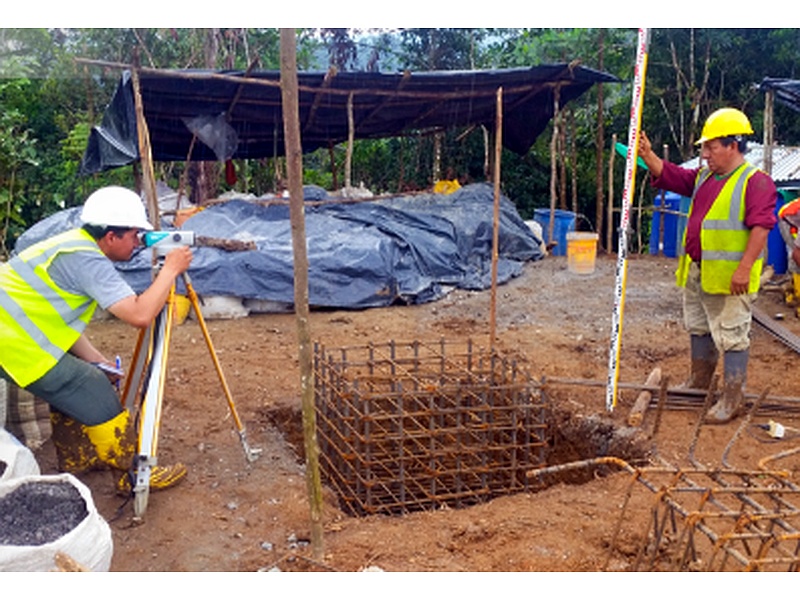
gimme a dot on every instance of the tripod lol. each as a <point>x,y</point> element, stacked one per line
<point>148,374</point>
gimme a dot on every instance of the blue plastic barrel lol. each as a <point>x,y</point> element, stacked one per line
<point>777,253</point>
<point>564,222</point>
<point>673,224</point>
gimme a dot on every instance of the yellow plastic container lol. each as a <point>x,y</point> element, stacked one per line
<point>182,306</point>
<point>581,252</point>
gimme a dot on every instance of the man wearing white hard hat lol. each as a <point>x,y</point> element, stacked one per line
<point>721,257</point>
<point>48,294</point>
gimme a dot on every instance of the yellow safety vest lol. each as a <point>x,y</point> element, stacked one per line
<point>40,322</point>
<point>723,236</point>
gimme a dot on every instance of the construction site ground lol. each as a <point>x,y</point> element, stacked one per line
<point>232,515</point>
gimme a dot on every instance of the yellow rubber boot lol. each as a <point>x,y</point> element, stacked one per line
<point>115,444</point>
<point>796,289</point>
<point>75,452</point>
<point>114,441</point>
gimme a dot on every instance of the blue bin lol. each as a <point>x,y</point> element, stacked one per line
<point>777,253</point>
<point>564,223</point>
<point>673,224</point>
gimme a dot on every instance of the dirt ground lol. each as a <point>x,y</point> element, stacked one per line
<point>232,515</point>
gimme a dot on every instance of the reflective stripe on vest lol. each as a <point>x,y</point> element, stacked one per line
<point>40,321</point>
<point>723,236</point>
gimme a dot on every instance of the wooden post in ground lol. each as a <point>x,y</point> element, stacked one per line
<point>145,154</point>
<point>662,214</point>
<point>498,146</point>
<point>348,162</point>
<point>553,164</point>
<point>610,204</point>
<point>769,132</point>
<point>294,170</point>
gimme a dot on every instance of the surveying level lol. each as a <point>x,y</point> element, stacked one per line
<point>148,375</point>
<point>164,241</point>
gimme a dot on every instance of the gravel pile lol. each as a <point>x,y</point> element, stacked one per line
<point>37,513</point>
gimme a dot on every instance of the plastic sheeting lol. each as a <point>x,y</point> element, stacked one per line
<point>405,249</point>
<point>248,107</point>
<point>787,91</point>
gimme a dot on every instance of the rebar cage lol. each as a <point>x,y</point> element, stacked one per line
<point>417,426</point>
<point>721,519</point>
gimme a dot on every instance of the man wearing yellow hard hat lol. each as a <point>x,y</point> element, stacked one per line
<point>731,213</point>
<point>48,294</point>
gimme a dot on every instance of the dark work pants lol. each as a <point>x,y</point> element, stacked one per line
<point>77,389</point>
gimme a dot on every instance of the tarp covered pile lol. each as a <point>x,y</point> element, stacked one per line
<point>404,249</point>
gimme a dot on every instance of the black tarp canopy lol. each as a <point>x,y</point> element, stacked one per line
<point>235,114</point>
<point>787,91</point>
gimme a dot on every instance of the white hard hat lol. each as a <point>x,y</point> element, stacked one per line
<point>115,206</point>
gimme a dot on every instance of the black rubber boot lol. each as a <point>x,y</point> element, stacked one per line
<point>730,404</point>
<point>704,362</point>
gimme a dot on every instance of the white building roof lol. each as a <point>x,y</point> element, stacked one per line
<point>785,163</point>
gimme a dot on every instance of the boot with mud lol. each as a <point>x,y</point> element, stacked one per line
<point>75,452</point>
<point>115,444</point>
<point>729,406</point>
<point>704,363</point>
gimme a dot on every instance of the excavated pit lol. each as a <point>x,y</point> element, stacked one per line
<point>412,426</point>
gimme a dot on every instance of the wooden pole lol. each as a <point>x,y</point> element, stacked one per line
<point>498,145</point>
<point>145,154</point>
<point>599,201</point>
<point>553,169</point>
<point>348,164</point>
<point>642,402</point>
<point>769,102</point>
<point>610,226</point>
<point>294,169</point>
<point>665,155</point>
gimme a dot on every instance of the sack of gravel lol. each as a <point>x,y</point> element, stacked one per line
<point>16,459</point>
<point>43,517</point>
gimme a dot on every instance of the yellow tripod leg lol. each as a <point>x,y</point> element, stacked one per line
<point>250,453</point>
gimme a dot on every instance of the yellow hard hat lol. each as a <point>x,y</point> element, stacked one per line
<point>725,122</point>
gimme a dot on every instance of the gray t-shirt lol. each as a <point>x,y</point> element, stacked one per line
<point>91,274</point>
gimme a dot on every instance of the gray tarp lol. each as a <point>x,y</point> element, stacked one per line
<point>406,249</point>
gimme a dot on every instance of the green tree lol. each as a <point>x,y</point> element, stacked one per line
<point>17,151</point>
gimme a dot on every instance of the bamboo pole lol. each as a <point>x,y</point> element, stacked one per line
<point>145,154</point>
<point>498,145</point>
<point>553,169</point>
<point>534,87</point>
<point>769,102</point>
<point>294,169</point>
<point>348,164</point>
<point>610,205</point>
<point>665,156</point>
<point>640,406</point>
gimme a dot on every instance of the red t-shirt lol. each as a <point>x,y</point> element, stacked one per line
<point>761,197</point>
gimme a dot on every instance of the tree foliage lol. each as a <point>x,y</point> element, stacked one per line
<point>49,101</point>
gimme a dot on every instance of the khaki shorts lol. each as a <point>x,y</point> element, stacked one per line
<point>726,318</point>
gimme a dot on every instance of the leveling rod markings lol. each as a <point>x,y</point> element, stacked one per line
<point>630,184</point>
